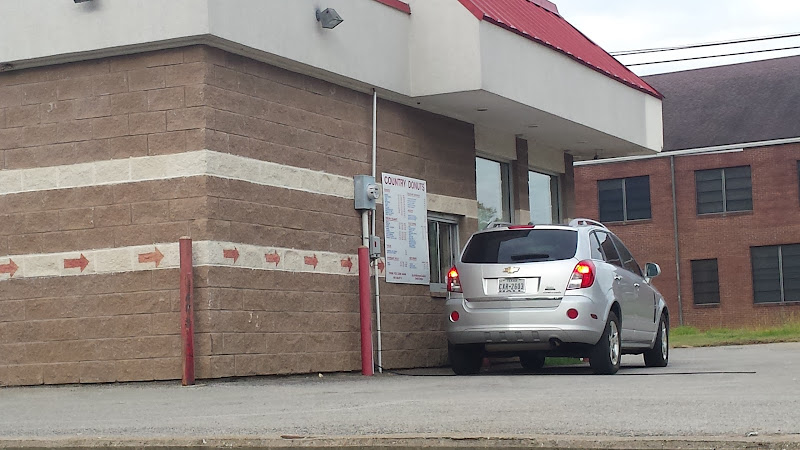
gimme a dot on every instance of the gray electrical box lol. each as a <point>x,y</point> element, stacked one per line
<point>374,246</point>
<point>366,192</point>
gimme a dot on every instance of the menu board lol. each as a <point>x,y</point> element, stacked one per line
<point>405,219</point>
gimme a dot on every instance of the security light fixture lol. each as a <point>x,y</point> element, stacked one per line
<point>328,17</point>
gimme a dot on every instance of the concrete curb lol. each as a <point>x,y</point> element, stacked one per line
<point>788,442</point>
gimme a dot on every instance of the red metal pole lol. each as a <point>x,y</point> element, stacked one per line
<point>187,311</point>
<point>367,368</point>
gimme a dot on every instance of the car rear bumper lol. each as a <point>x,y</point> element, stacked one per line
<point>531,328</point>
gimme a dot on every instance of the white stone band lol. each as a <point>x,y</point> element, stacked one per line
<point>201,163</point>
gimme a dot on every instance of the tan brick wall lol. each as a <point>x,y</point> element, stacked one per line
<point>120,327</point>
<point>726,237</point>
<point>267,113</point>
<point>97,328</point>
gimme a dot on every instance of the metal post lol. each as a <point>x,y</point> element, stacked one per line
<point>365,310</point>
<point>187,310</point>
<point>675,234</point>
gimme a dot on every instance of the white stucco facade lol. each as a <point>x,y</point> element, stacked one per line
<point>439,58</point>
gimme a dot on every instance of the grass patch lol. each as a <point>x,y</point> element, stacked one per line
<point>691,337</point>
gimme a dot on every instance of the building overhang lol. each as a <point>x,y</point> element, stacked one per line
<point>440,58</point>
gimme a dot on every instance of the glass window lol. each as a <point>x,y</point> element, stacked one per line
<point>597,251</point>
<point>624,199</point>
<point>443,248</point>
<point>724,190</point>
<point>610,254</point>
<point>517,246</point>
<point>705,281</point>
<point>776,273</point>
<point>626,257</point>
<point>493,186</point>
<point>543,197</point>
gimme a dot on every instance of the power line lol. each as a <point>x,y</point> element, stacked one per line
<point>714,56</point>
<point>709,44</point>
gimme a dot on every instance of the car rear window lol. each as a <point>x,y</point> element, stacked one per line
<point>518,246</point>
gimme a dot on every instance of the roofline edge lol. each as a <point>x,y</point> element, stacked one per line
<point>730,148</point>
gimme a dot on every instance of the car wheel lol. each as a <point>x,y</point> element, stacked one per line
<point>465,359</point>
<point>658,356</point>
<point>532,360</point>
<point>605,356</point>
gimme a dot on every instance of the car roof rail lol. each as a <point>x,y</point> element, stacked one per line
<point>498,224</point>
<point>582,222</point>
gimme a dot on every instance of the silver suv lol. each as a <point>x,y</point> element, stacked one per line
<point>553,290</point>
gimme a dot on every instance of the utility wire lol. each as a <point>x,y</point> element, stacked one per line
<point>714,56</point>
<point>709,44</point>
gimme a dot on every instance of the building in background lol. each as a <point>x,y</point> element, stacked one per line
<point>126,125</point>
<point>718,209</point>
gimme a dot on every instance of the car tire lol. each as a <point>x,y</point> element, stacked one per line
<point>606,354</point>
<point>532,360</point>
<point>658,356</point>
<point>465,359</point>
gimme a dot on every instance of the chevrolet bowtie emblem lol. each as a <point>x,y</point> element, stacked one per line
<point>511,270</point>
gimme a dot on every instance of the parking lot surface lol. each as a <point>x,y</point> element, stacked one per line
<point>745,393</point>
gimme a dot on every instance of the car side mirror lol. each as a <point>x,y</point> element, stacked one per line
<point>652,270</point>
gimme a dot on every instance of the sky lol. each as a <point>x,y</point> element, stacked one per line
<point>618,25</point>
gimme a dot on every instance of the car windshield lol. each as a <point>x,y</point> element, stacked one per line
<point>518,246</point>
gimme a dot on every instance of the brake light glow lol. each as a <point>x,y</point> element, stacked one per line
<point>453,282</point>
<point>518,227</point>
<point>582,275</point>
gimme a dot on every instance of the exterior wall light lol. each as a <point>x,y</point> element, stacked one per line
<point>328,17</point>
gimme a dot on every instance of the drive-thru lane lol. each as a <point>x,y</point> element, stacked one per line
<point>725,392</point>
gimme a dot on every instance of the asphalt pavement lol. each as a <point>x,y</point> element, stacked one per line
<point>733,397</point>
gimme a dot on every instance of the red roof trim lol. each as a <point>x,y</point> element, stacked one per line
<point>473,9</point>
<point>652,92</point>
<point>396,4</point>
<point>533,20</point>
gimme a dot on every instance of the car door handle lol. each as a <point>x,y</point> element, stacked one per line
<point>617,277</point>
<point>636,285</point>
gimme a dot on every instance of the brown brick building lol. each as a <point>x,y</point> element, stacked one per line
<point>732,214</point>
<point>116,143</point>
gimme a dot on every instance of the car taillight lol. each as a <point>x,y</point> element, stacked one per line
<point>453,283</point>
<point>520,227</point>
<point>582,275</point>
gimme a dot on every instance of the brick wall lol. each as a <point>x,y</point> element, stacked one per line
<point>107,159</point>
<point>267,113</point>
<point>93,328</point>
<point>775,219</point>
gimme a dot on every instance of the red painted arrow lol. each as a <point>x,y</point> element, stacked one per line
<point>273,258</point>
<point>155,257</point>
<point>10,268</point>
<point>311,260</point>
<point>381,265</point>
<point>81,262</point>
<point>231,254</point>
<point>347,263</point>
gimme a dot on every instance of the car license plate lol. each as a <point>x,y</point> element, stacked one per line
<point>511,286</point>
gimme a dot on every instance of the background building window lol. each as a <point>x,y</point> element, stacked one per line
<point>624,199</point>
<point>543,196</point>
<point>443,247</point>
<point>724,190</point>
<point>776,273</point>
<point>705,281</point>
<point>494,191</point>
